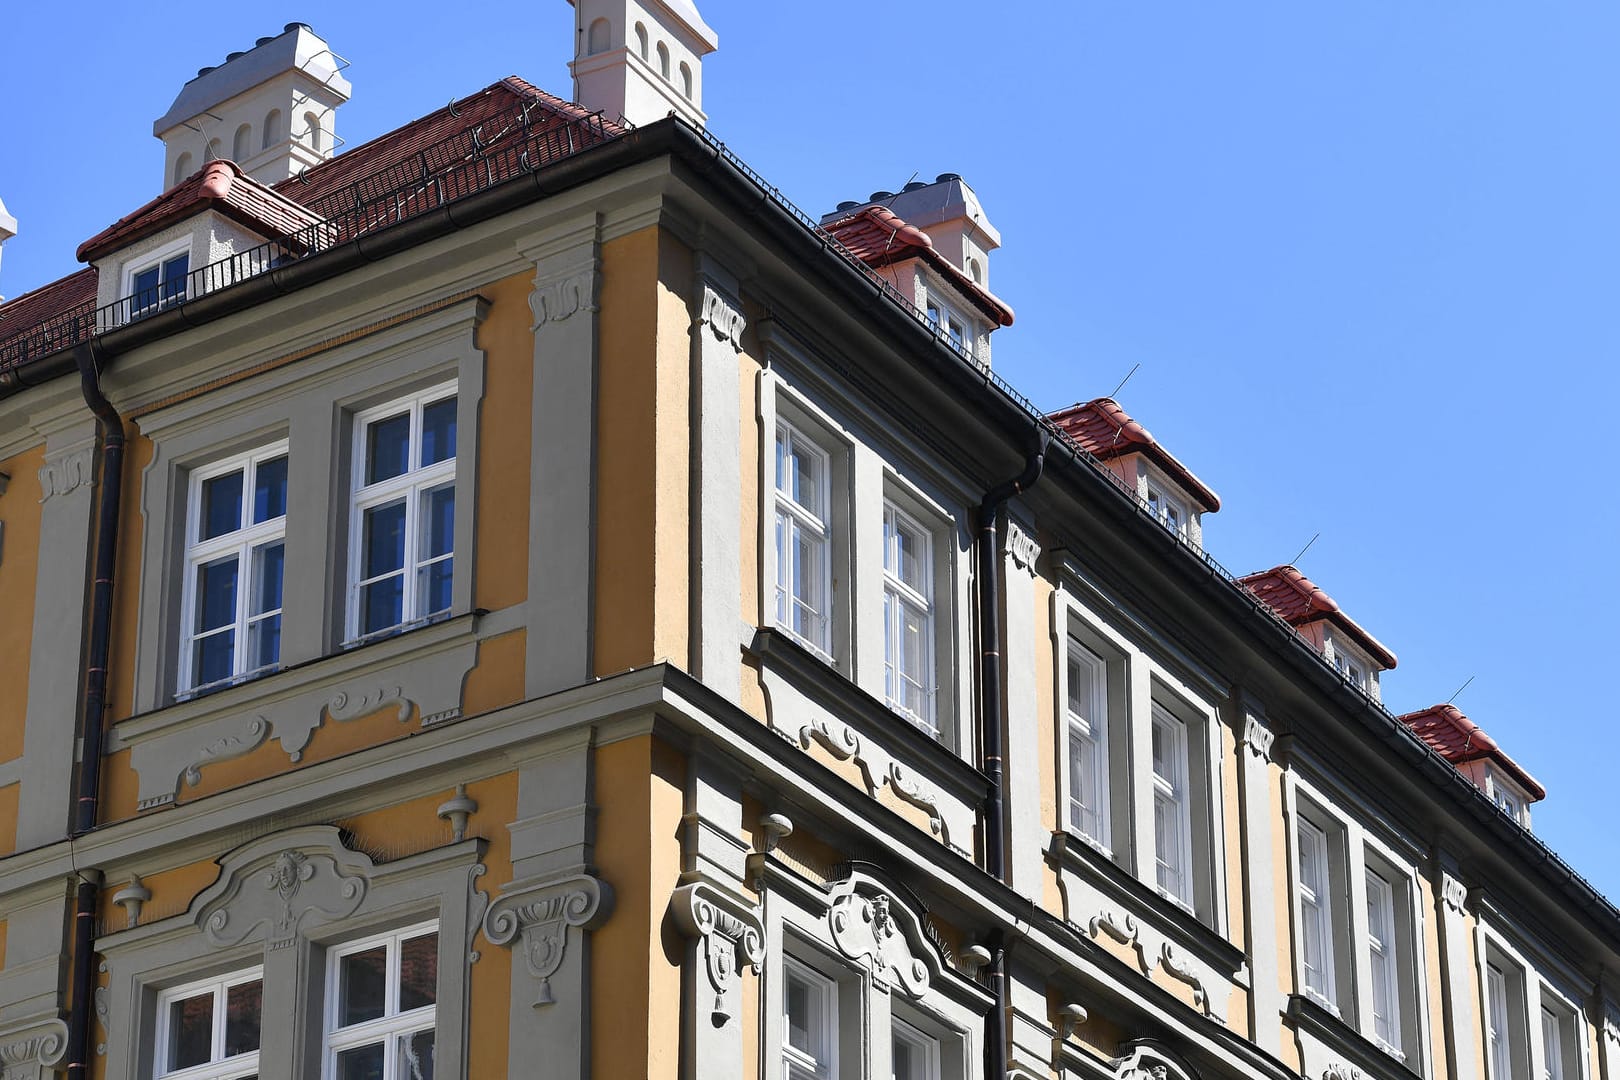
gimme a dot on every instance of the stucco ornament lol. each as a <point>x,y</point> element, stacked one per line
<point>1454,892</point>
<point>728,934</point>
<point>1258,737</point>
<point>32,1052</point>
<point>877,767</point>
<point>1338,1070</point>
<point>1145,1060</point>
<point>878,931</point>
<point>1022,546</point>
<point>722,316</point>
<point>278,884</point>
<point>541,912</point>
<point>64,473</point>
<point>558,298</point>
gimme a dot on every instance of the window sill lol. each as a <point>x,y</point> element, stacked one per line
<point>1101,897</point>
<point>809,702</point>
<point>1340,1039</point>
<point>418,672</point>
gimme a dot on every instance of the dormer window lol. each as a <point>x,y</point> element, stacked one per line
<point>948,323</point>
<point>159,283</point>
<point>1167,509</point>
<point>1507,796</point>
<point>1352,666</point>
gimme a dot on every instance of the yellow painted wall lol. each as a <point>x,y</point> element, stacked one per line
<point>138,452</point>
<point>638,950</point>
<point>1232,841</point>
<point>19,568</point>
<point>502,565</point>
<point>1051,726</point>
<point>9,796</point>
<point>1434,976</point>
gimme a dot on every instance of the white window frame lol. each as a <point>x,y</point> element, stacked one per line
<point>1168,510</point>
<point>217,1067</point>
<point>1172,796</point>
<point>817,522</point>
<point>393,1023</point>
<point>949,323</point>
<point>1314,893</point>
<point>924,1045</point>
<point>819,1062</point>
<point>1383,963</point>
<point>411,485</point>
<point>899,596</point>
<point>1501,1048</point>
<point>157,259</point>
<point>1518,1000</point>
<point>243,541</point>
<point>1088,733</point>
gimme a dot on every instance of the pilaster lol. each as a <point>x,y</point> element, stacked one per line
<point>1456,964</point>
<point>717,331</point>
<point>1260,872</point>
<point>562,454</point>
<point>56,647</point>
<point>1026,728</point>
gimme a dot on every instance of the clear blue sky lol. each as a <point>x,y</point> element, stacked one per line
<point>1365,254</point>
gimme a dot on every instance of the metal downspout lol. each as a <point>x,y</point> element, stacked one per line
<point>93,705</point>
<point>992,723</point>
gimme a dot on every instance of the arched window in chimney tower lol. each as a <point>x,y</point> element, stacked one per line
<point>686,80</point>
<point>272,129</point>
<point>596,40</point>
<point>663,60</point>
<point>641,40</point>
<point>312,131</point>
<point>182,168</point>
<point>242,145</point>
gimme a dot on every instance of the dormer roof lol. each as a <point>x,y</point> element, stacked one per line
<point>1459,740</point>
<point>219,185</point>
<point>1106,431</point>
<point>1298,601</point>
<point>879,237</point>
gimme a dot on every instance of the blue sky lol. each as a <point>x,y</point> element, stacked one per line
<point>1365,254</point>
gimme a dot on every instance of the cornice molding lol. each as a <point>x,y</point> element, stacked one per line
<point>728,933</point>
<point>541,911</point>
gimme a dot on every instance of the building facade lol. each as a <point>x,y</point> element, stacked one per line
<point>517,598</point>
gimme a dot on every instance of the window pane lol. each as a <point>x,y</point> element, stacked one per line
<point>388,446</point>
<point>191,1031</point>
<point>906,1067</point>
<point>270,489</point>
<point>264,643</point>
<point>221,505</point>
<point>909,544</point>
<point>174,277</point>
<point>269,562</point>
<point>416,1055</point>
<point>804,477</point>
<point>361,1063</point>
<point>382,604</point>
<point>418,972</point>
<point>435,582</point>
<point>798,1015</point>
<point>383,543</point>
<point>213,658</point>
<point>362,987</point>
<point>439,431</point>
<point>145,290</point>
<point>242,1010</point>
<point>216,594</point>
<point>438,521</point>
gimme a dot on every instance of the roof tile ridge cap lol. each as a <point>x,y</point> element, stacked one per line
<point>523,87</point>
<point>218,176</point>
<point>139,212</point>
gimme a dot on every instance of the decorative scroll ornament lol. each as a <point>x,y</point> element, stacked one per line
<point>1022,546</point>
<point>103,1005</point>
<point>877,767</point>
<point>728,934</point>
<point>1122,926</point>
<point>876,930</point>
<point>1258,737</point>
<point>132,898</point>
<point>1454,892</point>
<point>1178,967</point>
<point>279,883</point>
<point>1339,1070</point>
<point>559,298</point>
<point>226,745</point>
<point>32,1052</point>
<point>542,912</point>
<point>1146,1060</point>
<point>63,474</point>
<point>721,315</point>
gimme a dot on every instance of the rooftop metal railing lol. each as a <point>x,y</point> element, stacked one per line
<point>463,164</point>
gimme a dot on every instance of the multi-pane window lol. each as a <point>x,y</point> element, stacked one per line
<point>1498,1022</point>
<point>908,619</point>
<point>1168,510</point>
<point>210,1030</point>
<point>381,1006</point>
<point>803,546</point>
<point>1316,914</point>
<point>1172,808</point>
<point>947,323</point>
<point>1383,956</point>
<point>159,285</point>
<point>810,1029</point>
<point>235,554</point>
<point>913,1055</point>
<point>1552,1045</point>
<point>402,551</point>
<point>1088,743</point>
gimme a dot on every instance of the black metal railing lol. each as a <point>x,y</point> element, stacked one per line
<point>463,164</point>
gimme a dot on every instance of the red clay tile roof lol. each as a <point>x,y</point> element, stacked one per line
<point>1298,601</point>
<point>1458,739</point>
<point>219,185</point>
<point>879,237</point>
<point>1104,430</point>
<point>33,308</point>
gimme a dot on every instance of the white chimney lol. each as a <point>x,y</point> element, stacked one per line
<point>269,109</point>
<point>950,213</point>
<point>640,60</point>
<point>8,228</point>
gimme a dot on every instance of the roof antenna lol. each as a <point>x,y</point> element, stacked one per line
<point>1450,700</point>
<point>1125,380</point>
<point>1295,562</point>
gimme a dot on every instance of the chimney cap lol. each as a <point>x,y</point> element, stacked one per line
<point>8,224</point>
